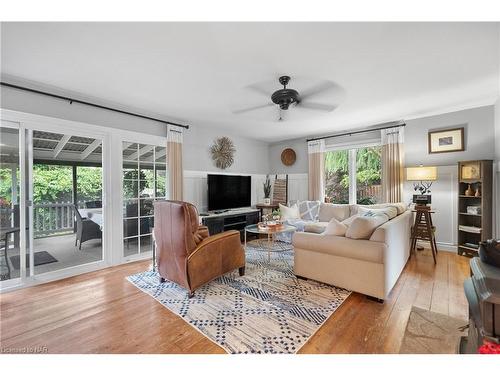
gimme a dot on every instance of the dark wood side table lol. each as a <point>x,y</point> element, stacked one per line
<point>262,207</point>
<point>423,229</point>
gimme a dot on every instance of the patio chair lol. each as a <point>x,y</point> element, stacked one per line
<point>86,229</point>
<point>93,204</point>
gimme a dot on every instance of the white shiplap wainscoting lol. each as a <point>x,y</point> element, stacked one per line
<point>196,187</point>
<point>444,193</point>
<point>297,187</point>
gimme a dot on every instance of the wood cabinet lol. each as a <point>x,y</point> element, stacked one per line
<point>231,220</point>
<point>475,203</point>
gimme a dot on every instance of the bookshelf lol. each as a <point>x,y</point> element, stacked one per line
<point>474,209</point>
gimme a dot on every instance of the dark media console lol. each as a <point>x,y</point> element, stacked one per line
<point>232,219</point>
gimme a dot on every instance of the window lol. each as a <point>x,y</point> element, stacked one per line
<point>368,175</point>
<point>144,181</point>
<point>337,176</point>
<point>354,175</point>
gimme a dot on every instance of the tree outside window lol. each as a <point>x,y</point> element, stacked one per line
<point>366,173</point>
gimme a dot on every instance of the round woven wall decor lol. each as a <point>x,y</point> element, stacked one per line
<point>288,156</point>
<point>222,152</point>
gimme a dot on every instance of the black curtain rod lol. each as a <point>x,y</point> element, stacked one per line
<point>401,123</point>
<point>71,101</point>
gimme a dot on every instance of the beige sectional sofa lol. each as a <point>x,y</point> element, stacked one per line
<point>368,266</point>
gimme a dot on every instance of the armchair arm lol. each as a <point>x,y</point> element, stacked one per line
<point>209,242</point>
<point>215,256</point>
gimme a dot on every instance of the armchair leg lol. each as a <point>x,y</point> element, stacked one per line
<point>241,270</point>
<point>190,294</point>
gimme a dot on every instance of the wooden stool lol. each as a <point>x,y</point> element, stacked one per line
<point>423,229</point>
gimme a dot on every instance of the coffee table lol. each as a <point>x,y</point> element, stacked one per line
<point>271,235</point>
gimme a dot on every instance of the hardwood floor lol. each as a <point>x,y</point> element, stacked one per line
<point>101,312</point>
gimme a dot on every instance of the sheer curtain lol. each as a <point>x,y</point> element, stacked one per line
<point>392,164</point>
<point>174,162</point>
<point>316,153</point>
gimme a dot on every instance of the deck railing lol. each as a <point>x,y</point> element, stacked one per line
<point>48,218</point>
<point>54,218</point>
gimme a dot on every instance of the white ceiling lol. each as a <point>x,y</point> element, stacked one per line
<point>197,72</point>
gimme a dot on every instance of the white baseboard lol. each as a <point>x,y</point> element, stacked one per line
<point>442,246</point>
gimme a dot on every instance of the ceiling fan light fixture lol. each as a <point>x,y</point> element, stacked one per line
<point>285,97</point>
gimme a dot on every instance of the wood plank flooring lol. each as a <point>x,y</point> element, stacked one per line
<point>101,312</point>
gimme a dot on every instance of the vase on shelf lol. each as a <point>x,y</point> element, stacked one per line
<point>469,192</point>
<point>478,192</point>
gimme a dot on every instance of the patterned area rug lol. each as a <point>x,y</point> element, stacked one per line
<point>268,310</point>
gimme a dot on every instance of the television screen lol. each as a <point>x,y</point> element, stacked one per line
<point>226,191</point>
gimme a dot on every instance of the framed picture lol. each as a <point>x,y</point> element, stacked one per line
<point>471,171</point>
<point>449,140</point>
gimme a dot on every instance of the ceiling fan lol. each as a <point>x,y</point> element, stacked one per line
<point>286,97</point>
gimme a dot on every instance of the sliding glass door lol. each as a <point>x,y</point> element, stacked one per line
<point>144,181</point>
<point>67,201</point>
<point>51,202</point>
<point>10,192</point>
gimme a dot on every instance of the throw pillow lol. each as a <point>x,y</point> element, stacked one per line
<point>400,207</point>
<point>309,210</point>
<point>335,228</point>
<point>390,211</point>
<point>349,220</point>
<point>289,212</point>
<point>362,227</point>
<point>327,211</point>
<point>318,227</point>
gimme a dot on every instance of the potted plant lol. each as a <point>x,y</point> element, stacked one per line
<point>267,190</point>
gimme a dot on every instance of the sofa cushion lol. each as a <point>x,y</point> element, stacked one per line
<point>327,211</point>
<point>370,251</point>
<point>400,207</point>
<point>335,228</point>
<point>362,227</point>
<point>309,210</point>
<point>390,211</point>
<point>318,227</point>
<point>289,212</point>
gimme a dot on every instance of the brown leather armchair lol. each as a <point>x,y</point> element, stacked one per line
<point>187,255</point>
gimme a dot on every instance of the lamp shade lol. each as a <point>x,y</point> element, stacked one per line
<point>421,173</point>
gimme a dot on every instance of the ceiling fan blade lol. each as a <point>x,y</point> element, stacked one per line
<point>260,90</point>
<point>322,87</point>
<point>317,106</point>
<point>243,110</point>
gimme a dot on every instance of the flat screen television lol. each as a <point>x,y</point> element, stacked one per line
<point>226,191</point>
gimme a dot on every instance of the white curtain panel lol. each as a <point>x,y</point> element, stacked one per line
<point>174,162</point>
<point>316,151</point>
<point>392,164</point>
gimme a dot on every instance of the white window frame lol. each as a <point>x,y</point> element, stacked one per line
<point>352,150</point>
